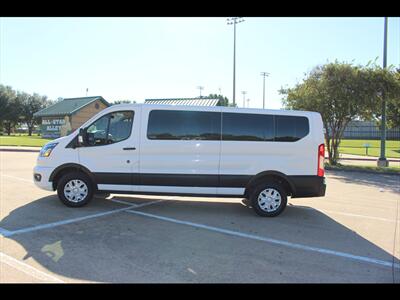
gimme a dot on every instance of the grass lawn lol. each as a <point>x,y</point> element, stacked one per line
<point>356,147</point>
<point>23,140</point>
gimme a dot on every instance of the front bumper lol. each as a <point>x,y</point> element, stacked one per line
<point>41,177</point>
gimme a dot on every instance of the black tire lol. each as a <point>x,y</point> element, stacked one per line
<point>255,192</point>
<point>71,176</point>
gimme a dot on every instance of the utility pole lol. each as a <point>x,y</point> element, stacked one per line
<point>382,161</point>
<point>244,93</point>
<point>87,89</point>
<point>234,21</point>
<point>264,74</point>
<point>200,88</point>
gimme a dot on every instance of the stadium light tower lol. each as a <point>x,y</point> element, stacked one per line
<point>264,74</point>
<point>200,88</point>
<point>233,21</point>
<point>244,101</point>
<point>382,161</point>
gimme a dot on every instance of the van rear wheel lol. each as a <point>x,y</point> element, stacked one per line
<point>75,189</point>
<point>268,199</point>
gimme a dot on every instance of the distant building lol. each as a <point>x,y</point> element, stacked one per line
<point>185,101</point>
<point>67,115</point>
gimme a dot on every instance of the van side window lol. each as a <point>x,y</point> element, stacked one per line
<point>184,125</point>
<point>247,127</point>
<point>290,128</point>
<point>110,128</point>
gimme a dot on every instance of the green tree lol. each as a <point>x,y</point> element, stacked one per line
<point>392,80</point>
<point>30,105</point>
<point>341,92</point>
<point>12,112</point>
<point>6,96</point>
<point>224,101</point>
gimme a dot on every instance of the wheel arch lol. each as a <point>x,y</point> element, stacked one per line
<point>67,168</point>
<point>271,175</point>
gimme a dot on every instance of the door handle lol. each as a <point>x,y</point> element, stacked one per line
<point>129,148</point>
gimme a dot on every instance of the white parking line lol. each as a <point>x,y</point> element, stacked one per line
<point>384,263</point>
<point>359,216</point>
<point>123,202</point>
<point>27,269</point>
<point>345,214</point>
<point>8,233</point>
<point>59,223</point>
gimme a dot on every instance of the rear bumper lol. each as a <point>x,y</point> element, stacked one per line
<point>308,186</point>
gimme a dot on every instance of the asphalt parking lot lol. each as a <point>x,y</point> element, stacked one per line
<point>350,235</point>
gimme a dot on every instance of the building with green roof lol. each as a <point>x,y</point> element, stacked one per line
<point>69,114</point>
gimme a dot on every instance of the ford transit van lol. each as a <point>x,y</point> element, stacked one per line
<point>263,155</point>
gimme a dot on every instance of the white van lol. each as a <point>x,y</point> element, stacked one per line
<point>262,155</point>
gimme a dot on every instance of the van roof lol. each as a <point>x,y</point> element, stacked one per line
<point>216,108</point>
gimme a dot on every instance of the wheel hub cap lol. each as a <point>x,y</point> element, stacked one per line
<point>269,200</point>
<point>75,190</point>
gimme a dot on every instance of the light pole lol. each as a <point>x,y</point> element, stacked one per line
<point>244,93</point>
<point>87,89</point>
<point>234,21</point>
<point>248,103</point>
<point>200,88</point>
<point>264,74</point>
<point>382,161</point>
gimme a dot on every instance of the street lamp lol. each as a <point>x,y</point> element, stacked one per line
<point>244,93</point>
<point>382,161</point>
<point>264,74</point>
<point>233,21</point>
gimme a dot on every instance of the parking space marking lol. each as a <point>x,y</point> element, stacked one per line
<point>64,222</point>
<point>365,259</point>
<point>8,233</point>
<point>27,269</point>
<point>123,202</point>
<point>4,232</point>
<point>359,216</point>
<point>346,214</point>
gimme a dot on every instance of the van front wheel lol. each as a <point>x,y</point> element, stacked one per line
<point>75,189</point>
<point>268,199</point>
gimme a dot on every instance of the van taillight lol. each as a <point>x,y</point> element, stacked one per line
<point>321,159</point>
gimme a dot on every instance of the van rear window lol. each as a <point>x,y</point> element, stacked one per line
<point>290,128</point>
<point>260,127</point>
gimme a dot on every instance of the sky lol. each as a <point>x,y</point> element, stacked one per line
<point>142,57</point>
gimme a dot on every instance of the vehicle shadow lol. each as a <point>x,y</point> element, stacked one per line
<point>103,249</point>
<point>389,182</point>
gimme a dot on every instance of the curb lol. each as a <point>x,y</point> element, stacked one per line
<point>364,159</point>
<point>18,150</point>
<point>362,171</point>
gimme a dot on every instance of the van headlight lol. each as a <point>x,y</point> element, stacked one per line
<point>46,150</point>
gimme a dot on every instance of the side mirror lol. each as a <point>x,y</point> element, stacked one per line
<point>81,139</point>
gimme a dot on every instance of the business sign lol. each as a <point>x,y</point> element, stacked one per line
<point>51,127</point>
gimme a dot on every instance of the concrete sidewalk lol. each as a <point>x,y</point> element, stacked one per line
<point>344,156</point>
